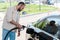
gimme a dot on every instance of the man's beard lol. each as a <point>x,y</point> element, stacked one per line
<point>19,10</point>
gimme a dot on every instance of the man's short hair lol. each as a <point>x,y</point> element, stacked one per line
<point>52,22</point>
<point>21,3</point>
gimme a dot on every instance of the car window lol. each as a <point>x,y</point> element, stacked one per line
<point>40,24</point>
<point>57,20</point>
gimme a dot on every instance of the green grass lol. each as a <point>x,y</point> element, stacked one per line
<point>35,8</point>
<point>4,6</point>
<point>30,8</point>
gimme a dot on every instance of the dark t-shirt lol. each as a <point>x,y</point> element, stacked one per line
<point>51,29</point>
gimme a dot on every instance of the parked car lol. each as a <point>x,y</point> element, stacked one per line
<point>38,26</point>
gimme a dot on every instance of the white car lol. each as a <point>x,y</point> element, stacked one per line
<point>38,25</point>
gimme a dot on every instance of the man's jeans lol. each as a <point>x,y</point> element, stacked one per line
<point>11,35</point>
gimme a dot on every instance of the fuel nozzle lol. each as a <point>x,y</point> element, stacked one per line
<point>23,26</point>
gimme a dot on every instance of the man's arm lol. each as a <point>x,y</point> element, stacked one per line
<point>15,23</point>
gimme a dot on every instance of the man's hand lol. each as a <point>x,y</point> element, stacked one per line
<point>18,34</point>
<point>19,26</point>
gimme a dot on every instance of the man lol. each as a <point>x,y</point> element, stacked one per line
<point>51,28</point>
<point>11,20</point>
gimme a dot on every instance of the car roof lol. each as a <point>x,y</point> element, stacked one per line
<point>53,16</point>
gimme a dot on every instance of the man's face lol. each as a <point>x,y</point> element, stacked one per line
<point>21,7</point>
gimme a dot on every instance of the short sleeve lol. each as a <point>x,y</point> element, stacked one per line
<point>9,14</point>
